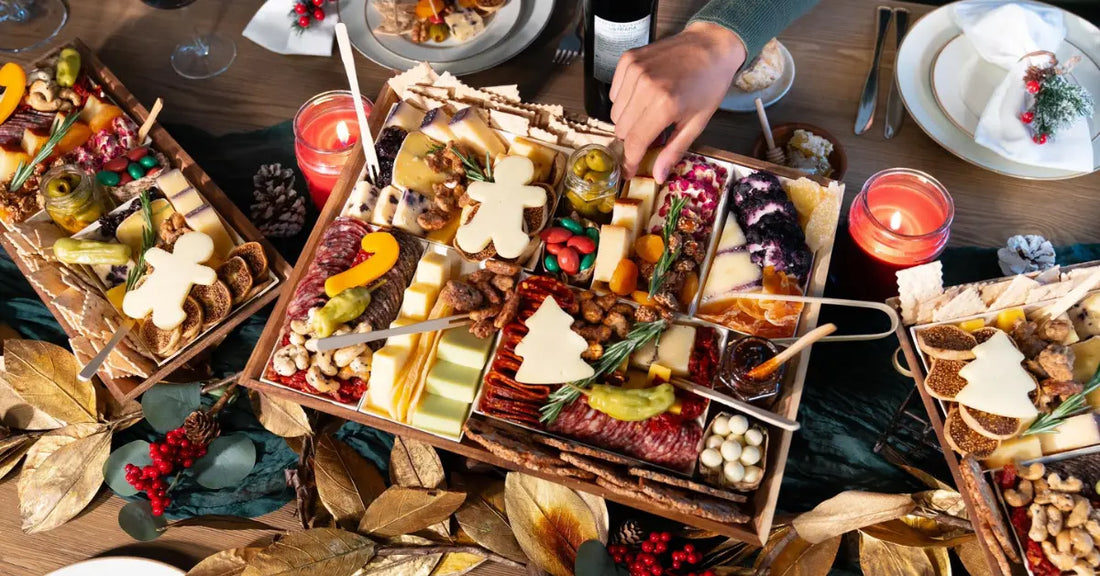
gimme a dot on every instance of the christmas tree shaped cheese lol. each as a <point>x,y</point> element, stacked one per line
<point>551,350</point>
<point>996,382</point>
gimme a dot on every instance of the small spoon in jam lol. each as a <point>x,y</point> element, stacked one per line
<point>764,369</point>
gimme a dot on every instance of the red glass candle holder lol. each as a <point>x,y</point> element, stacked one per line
<point>901,217</point>
<point>325,131</point>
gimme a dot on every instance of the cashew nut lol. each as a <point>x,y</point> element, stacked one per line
<point>1093,557</point>
<point>296,338</point>
<point>301,326</point>
<point>316,379</point>
<point>1071,484</point>
<point>1033,471</point>
<point>1093,528</point>
<point>43,74</point>
<point>70,97</point>
<point>44,96</point>
<point>1080,513</point>
<point>1082,568</point>
<point>1040,485</point>
<point>1054,521</point>
<point>1062,561</point>
<point>362,363</point>
<point>323,361</point>
<point>345,356</point>
<point>290,359</point>
<point>1038,514</point>
<point>1082,542</point>
<point>1059,500</point>
<point>1021,496</point>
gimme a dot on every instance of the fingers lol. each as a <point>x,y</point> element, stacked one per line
<point>628,88</point>
<point>678,146</point>
<point>645,128</point>
<point>621,70</point>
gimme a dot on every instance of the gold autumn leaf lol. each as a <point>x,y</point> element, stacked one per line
<point>947,502</point>
<point>457,564</point>
<point>916,532</point>
<point>973,558</point>
<point>415,464</point>
<point>849,511</point>
<point>314,552</point>
<point>225,563</point>
<point>15,412</point>
<point>404,564</point>
<point>281,417</point>
<point>786,554</point>
<point>482,516</point>
<point>883,558</point>
<point>12,450</point>
<point>550,521</point>
<point>598,506</point>
<point>401,510</point>
<point>49,443</point>
<point>44,375</point>
<point>64,483</point>
<point>346,482</point>
<point>926,478</point>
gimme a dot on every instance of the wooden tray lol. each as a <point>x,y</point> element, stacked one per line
<point>128,388</point>
<point>762,502</point>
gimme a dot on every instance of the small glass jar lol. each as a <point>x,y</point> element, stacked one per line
<point>902,217</point>
<point>73,198</point>
<point>592,182</point>
<point>741,356</point>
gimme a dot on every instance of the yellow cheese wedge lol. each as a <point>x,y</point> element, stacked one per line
<point>405,116</point>
<point>1006,319</point>
<point>186,201</point>
<point>453,381</point>
<point>204,219</point>
<point>132,228</point>
<point>645,190</point>
<point>659,373</point>
<point>542,156</point>
<point>418,301</point>
<point>472,131</point>
<point>674,348</point>
<point>435,126</point>
<point>614,246</point>
<point>972,325</point>
<point>627,212</point>
<point>1076,432</point>
<point>440,415</point>
<point>445,234</point>
<point>1022,448</point>
<point>172,182</point>
<point>410,169</point>
<point>1086,359</point>
<point>433,269</point>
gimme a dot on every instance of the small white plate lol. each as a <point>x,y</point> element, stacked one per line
<point>738,101</point>
<point>118,565</point>
<point>497,27</point>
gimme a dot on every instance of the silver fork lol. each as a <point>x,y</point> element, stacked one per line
<point>569,47</point>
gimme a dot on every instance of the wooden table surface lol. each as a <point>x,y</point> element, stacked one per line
<point>832,49</point>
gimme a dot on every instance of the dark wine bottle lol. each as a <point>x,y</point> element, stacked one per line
<point>611,27</point>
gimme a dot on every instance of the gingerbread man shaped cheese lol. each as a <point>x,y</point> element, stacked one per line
<point>499,216</point>
<point>165,289</point>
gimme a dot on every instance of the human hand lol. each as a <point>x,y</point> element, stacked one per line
<point>680,80</point>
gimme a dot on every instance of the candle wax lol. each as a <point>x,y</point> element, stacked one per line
<point>326,130</point>
<point>899,218</point>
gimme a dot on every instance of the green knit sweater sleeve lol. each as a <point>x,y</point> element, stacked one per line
<point>755,21</point>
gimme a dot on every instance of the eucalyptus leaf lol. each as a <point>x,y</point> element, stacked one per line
<point>166,406</point>
<point>137,519</point>
<point>228,460</point>
<point>593,559</point>
<point>222,522</point>
<point>114,470</point>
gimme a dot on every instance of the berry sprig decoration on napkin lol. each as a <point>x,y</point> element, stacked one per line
<point>1054,101</point>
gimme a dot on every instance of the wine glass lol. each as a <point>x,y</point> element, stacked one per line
<point>204,55</point>
<point>28,24</point>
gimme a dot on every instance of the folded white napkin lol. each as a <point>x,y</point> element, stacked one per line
<point>1002,34</point>
<point>273,28</point>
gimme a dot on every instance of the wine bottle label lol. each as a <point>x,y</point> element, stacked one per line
<point>611,40</point>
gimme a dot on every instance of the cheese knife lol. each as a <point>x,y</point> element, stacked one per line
<point>895,113</point>
<point>344,340</point>
<point>865,114</point>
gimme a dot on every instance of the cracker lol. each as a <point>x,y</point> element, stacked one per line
<point>447,80</point>
<point>509,92</point>
<point>966,303</point>
<point>513,445</point>
<point>916,285</point>
<point>688,484</point>
<point>70,303</point>
<point>41,235</point>
<point>1050,275</point>
<point>543,135</point>
<point>583,450</point>
<point>1015,293</point>
<point>583,139</point>
<point>48,280</point>
<point>628,490</point>
<point>986,505</point>
<point>96,312</point>
<point>509,122</point>
<point>422,73</point>
<point>694,504</point>
<point>1046,292</point>
<point>125,358</point>
<point>76,280</point>
<point>598,468</point>
<point>83,349</point>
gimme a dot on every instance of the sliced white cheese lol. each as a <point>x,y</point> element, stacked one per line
<point>404,116</point>
<point>1019,449</point>
<point>435,125</point>
<point>386,206</point>
<point>411,205</point>
<point>627,212</point>
<point>674,348</point>
<point>439,415</point>
<point>469,129</point>
<point>550,329</point>
<point>613,247</point>
<point>732,235</point>
<point>1076,432</point>
<point>464,24</point>
<point>386,369</point>
<point>643,189</point>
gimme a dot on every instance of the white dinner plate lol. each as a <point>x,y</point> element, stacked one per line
<point>117,566</point>
<point>934,44</point>
<point>737,100</point>
<point>532,18</point>
<point>497,27</point>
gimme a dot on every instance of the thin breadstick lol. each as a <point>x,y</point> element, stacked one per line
<point>146,126</point>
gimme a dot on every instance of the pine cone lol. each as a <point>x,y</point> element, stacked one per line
<point>630,532</point>
<point>278,210</point>
<point>1025,254</point>
<point>201,427</point>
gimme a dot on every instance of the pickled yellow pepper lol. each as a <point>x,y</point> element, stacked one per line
<point>72,251</point>
<point>631,405</point>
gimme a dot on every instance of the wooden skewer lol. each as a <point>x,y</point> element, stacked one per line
<point>373,167</point>
<point>775,155</point>
<point>89,369</point>
<point>146,126</point>
<point>743,407</point>
<point>772,364</point>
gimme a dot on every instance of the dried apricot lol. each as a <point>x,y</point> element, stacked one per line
<point>689,289</point>
<point>649,248</point>
<point>641,297</point>
<point>625,277</point>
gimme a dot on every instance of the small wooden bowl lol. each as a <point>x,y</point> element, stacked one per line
<point>782,134</point>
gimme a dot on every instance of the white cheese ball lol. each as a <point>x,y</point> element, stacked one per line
<point>721,426</point>
<point>711,458</point>
<point>749,455</point>
<point>738,425</point>
<point>752,474</point>
<point>715,441</point>
<point>754,437</point>
<point>733,471</point>
<point>731,451</point>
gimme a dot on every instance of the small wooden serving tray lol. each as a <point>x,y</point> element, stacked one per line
<point>128,388</point>
<point>762,502</point>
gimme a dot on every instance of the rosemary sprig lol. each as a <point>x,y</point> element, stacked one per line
<point>473,170</point>
<point>669,256</point>
<point>1072,406</point>
<point>613,356</point>
<point>148,239</point>
<point>57,131</point>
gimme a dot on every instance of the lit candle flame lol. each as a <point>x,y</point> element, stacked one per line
<point>895,220</point>
<point>342,132</point>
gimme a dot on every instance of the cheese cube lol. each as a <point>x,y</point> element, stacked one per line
<point>187,200</point>
<point>614,246</point>
<point>435,125</point>
<point>418,301</point>
<point>361,202</point>
<point>386,206</point>
<point>627,213</point>
<point>386,368</point>
<point>469,129</point>
<point>659,373</point>
<point>1021,449</point>
<point>433,269</point>
<point>674,348</point>
<point>542,156</point>
<point>645,190</point>
<point>440,415</point>
<point>459,346</point>
<point>204,219</point>
<point>1076,432</point>
<point>406,340</point>
<point>453,381</point>
<point>645,356</point>
<point>172,182</point>
<point>411,206</point>
<point>404,116</point>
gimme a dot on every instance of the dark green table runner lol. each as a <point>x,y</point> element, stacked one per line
<point>851,393</point>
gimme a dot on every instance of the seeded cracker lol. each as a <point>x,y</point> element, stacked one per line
<point>512,445</point>
<point>509,92</point>
<point>695,504</point>
<point>48,280</point>
<point>916,285</point>
<point>687,484</point>
<point>569,446</point>
<point>70,303</point>
<point>422,73</point>
<point>613,474</point>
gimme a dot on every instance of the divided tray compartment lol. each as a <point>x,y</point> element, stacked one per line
<point>761,503</point>
<point>238,222</point>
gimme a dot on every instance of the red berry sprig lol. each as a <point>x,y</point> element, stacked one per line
<point>654,557</point>
<point>175,452</point>
<point>306,12</point>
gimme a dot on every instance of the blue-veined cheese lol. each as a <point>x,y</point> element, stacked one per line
<point>464,24</point>
<point>405,116</point>
<point>361,202</point>
<point>386,206</point>
<point>435,125</point>
<point>411,205</point>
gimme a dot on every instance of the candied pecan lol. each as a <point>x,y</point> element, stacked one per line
<point>461,296</point>
<point>618,324</point>
<point>607,301</point>
<point>598,333</point>
<point>420,31</point>
<point>508,311</point>
<point>502,268</point>
<point>646,270</point>
<point>433,219</point>
<point>684,265</point>
<point>503,283</point>
<point>480,275</point>
<point>694,249</point>
<point>586,296</point>
<point>483,329</point>
<point>675,242</point>
<point>464,200</point>
<point>647,314</point>
<point>594,352</point>
<point>445,202</point>
<point>485,313</point>
<point>667,299</point>
<point>1057,362</point>
<point>689,223</point>
<point>592,311</point>
<point>623,308</point>
<point>1055,330</point>
<point>489,292</point>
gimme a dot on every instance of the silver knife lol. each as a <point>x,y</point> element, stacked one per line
<point>865,115</point>
<point>335,342</point>
<point>895,113</point>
